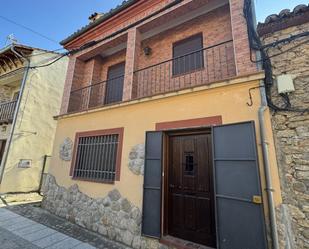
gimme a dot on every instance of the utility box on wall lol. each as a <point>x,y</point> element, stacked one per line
<point>285,83</point>
<point>24,163</point>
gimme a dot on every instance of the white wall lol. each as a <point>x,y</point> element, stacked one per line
<point>35,127</point>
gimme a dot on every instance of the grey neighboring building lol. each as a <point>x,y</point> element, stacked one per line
<point>291,129</point>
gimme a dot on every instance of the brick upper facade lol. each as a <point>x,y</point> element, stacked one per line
<point>217,20</point>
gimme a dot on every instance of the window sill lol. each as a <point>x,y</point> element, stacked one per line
<point>111,182</point>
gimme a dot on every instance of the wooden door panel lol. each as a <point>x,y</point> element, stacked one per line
<point>189,212</point>
<point>203,211</point>
<point>177,211</point>
<point>176,181</point>
<point>188,164</point>
<point>203,163</point>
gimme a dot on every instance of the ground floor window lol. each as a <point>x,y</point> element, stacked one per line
<point>97,155</point>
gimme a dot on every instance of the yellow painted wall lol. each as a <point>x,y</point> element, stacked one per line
<point>39,104</point>
<point>136,118</point>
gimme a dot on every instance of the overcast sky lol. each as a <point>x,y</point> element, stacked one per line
<point>59,18</point>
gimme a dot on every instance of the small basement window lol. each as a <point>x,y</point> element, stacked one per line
<point>188,55</point>
<point>97,155</point>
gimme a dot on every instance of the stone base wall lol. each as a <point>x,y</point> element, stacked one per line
<point>291,134</point>
<point>112,216</point>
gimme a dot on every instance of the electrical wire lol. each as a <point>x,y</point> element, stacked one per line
<point>46,52</point>
<point>286,40</point>
<point>29,29</point>
<point>254,40</point>
<point>256,44</point>
<point>14,72</point>
<point>20,70</point>
<point>50,63</point>
<point>93,43</point>
<point>280,53</point>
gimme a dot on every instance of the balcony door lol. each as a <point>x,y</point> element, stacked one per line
<point>114,83</point>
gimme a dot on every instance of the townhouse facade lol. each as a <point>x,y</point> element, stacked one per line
<point>29,100</point>
<point>164,138</point>
<point>290,60</point>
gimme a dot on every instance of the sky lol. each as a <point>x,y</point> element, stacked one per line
<point>57,19</point>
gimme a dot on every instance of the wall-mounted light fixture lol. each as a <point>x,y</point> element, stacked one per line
<point>147,50</point>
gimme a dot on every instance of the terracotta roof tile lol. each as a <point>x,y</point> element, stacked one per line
<point>286,18</point>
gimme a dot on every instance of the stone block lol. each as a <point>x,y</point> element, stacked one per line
<point>114,195</point>
<point>127,237</point>
<point>136,159</point>
<point>102,230</point>
<point>136,244</point>
<point>125,205</point>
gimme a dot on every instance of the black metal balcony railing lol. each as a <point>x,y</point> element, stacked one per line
<point>7,111</point>
<point>200,67</point>
<point>97,94</point>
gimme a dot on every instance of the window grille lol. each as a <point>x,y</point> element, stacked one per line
<point>96,157</point>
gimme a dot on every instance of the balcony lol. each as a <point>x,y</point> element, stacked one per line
<point>202,67</point>
<point>198,68</point>
<point>7,112</point>
<point>97,94</point>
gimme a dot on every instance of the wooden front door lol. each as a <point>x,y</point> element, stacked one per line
<point>190,189</point>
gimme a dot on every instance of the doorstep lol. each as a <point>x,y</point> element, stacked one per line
<point>181,244</point>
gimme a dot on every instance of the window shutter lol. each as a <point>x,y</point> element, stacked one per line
<point>151,224</point>
<point>239,208</point>
<point>185,61</point>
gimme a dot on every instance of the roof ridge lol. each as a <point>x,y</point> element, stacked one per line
<point>284,20</point>
<point>286,13</point>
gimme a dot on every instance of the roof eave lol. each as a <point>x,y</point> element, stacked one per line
<point>9,47</point>
<point>100,20</point>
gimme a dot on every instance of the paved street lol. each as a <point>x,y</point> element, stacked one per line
<point>43,230</point>
<point>19,232</point>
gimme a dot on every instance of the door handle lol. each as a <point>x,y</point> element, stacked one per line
<point>172,186</point>
<point>257,199</point>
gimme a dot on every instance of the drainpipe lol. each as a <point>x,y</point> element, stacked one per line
<point>269,185</point>
<point>42,173</point>
<point>16,111</point>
